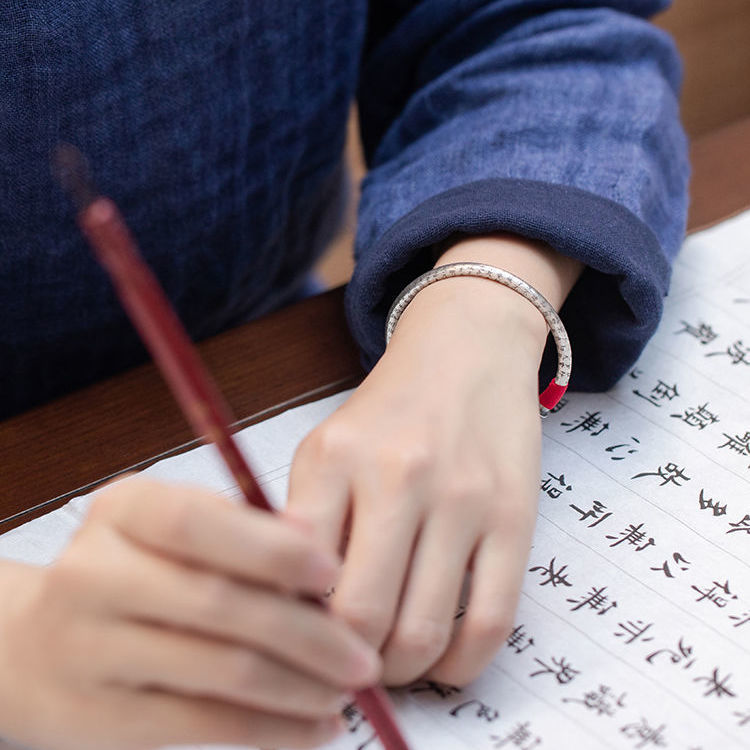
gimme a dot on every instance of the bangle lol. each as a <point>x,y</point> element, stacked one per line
<point>552,394</point>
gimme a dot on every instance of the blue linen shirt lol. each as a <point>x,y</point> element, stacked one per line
<point>218,128</point>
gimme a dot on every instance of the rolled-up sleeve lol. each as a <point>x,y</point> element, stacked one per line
<point>558,121</point>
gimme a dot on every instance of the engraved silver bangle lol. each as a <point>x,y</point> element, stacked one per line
<point>552,394</point>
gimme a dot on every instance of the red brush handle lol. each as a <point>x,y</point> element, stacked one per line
<point>161,331</point>
<point>197,394</point>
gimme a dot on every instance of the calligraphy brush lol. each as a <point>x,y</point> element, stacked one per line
<point>161,331</point>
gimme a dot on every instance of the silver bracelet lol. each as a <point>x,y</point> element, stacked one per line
<point>552,394</point>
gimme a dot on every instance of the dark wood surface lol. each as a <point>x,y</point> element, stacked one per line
<point>721,174</point>
<point>712,36</point>
<point>295,355</point>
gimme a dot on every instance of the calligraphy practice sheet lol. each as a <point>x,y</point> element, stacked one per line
<point>633,629</point>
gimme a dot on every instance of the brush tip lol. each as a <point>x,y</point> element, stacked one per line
<point>71,170</point>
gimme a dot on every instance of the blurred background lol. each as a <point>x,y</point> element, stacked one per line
<point>714,39</point>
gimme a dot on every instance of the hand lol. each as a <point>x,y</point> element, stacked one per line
<point>162,624</point>
<point>431,469</point>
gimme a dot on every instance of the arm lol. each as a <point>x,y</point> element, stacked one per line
<point>539,139</point>
<point>556,124</point>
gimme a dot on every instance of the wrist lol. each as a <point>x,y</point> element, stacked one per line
<point>456,324</point>
<point>549,272</point>
<point>477,308</point>
<point>468,314</point>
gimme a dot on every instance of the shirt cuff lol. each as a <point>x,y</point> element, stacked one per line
<point>611,312</point>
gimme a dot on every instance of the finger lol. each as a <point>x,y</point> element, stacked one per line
<point>498,569</point>
<point>196,526</point>
<point>319,490</point>
<point>384,527</point>
<point>156,719</point>
<point>144,656</point>
<point>425,621</point>
<point>299,633</point>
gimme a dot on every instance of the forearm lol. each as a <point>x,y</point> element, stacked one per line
<point>491,311</point>
<point>580,148</point>
<point>549,272</point>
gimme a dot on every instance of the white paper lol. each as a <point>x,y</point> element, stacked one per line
<point>634,620</point>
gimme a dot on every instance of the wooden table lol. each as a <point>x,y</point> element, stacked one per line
<point>293,356</point>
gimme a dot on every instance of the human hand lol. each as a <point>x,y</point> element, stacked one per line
<point>163,623</point>
<point>431,469</point>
